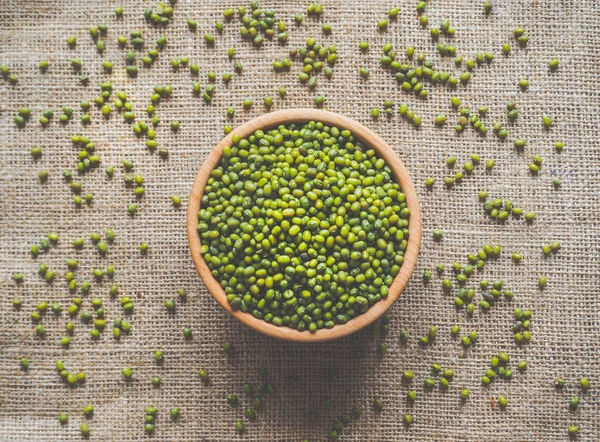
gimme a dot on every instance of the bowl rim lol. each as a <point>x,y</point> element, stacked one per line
<point>368,137</point>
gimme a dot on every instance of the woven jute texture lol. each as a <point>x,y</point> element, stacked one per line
<point>565,314</point>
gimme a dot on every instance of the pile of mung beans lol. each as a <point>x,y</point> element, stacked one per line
<point>303,225</point>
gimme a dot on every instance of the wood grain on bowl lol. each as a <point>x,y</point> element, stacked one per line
<point>367,137</point>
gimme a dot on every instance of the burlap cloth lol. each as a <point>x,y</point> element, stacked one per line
<point>565,314</point>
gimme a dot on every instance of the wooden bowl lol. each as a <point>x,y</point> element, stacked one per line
<point>370,139</point>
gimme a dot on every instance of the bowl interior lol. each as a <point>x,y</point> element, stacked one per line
<point>366,136</point>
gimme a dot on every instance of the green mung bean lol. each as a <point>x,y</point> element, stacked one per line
<point>573,430</point>
<point>546,121</point>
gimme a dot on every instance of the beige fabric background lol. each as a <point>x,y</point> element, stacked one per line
<point>565,315</point>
